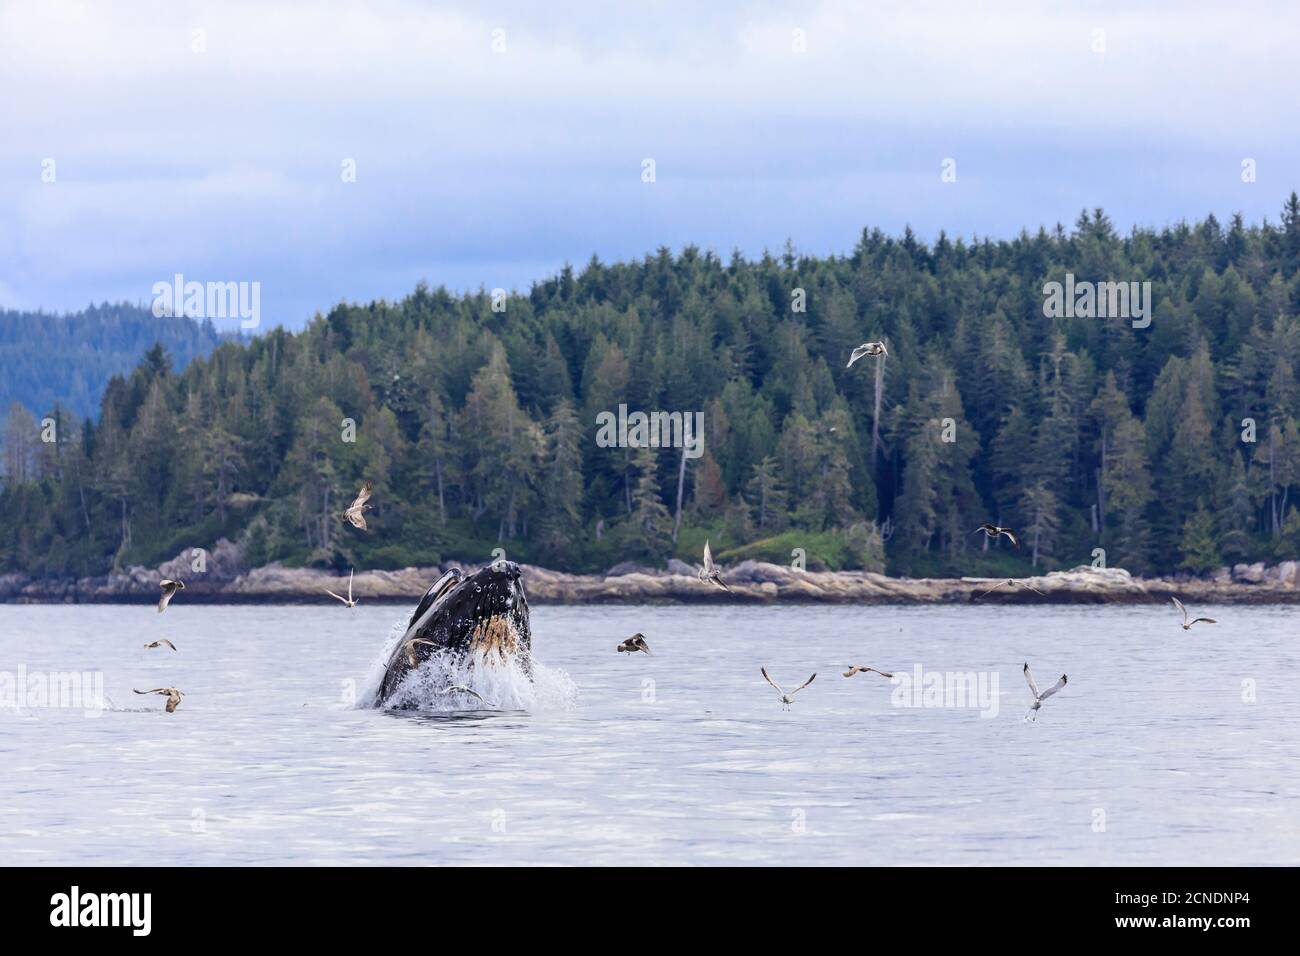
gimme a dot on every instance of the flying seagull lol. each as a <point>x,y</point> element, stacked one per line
<point>633,644</point>
<point>410,650</point>
<point>346,600</point>
<point>867,348</point>
<point>992,531</point>
<point>1011,584</point>
<point>1187,625</point>
<point>859,669</point>
<point>786,700</point>
<point>160,644</point>
<point>355,512</point>
<point>169,588</point>
<point>1039,698</point>
<point>710,571</point>
<point>459,689</point>
<point>171,693</point>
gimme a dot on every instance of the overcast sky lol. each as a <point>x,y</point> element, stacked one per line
<point>478,167</point>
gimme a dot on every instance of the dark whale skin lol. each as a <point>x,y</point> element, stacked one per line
<point>485,611</point>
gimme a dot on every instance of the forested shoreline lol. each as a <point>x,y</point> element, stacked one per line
<point>47,358</point>
<point>474,416</point>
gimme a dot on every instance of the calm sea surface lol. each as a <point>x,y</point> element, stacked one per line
<point>1165,747</point>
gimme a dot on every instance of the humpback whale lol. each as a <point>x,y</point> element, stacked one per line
<point>484,615</point>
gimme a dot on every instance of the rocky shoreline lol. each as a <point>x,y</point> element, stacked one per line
<point>225,581</point>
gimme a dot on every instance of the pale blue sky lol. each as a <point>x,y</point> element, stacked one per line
<point>477,167</point>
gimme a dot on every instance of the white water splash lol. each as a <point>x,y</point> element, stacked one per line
<point>503,686</point>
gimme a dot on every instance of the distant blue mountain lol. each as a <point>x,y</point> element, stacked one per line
<point>47,358</point>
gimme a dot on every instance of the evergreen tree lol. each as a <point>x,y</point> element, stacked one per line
<point>767,494</point>
<point>1235,516</point>
<point>1200,545</point>
<point>562,487</point>
<point>1128,491</point>
<point>651,518</point>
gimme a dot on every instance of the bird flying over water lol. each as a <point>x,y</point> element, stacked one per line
<point>1039,698</point>
<point>866,348</point>
<point>860,669</point>
<point>355,511</point>
<point>169,588</point>
<point>346,600</point>
<point>992,531</point>
<point>786,699</point>
<point>171,693</point>
<point>1011,583</point>
<point>152,644</point>
<point>710,571</point>
<point>459,689</point>
<point>1187,625</point>
<point>633,644</point>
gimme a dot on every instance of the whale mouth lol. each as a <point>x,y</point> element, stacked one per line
<point>482,617</point>
<point>496,638</point>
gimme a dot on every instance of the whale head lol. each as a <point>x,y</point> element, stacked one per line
<point>484,614</point>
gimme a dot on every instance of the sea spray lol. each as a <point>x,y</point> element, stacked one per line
<point>504,685</point>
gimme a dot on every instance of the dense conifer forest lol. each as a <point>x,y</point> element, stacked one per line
<point>46,358</point>
<point>1174,447</point>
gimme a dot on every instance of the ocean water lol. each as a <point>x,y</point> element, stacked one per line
<point>1165,747</point>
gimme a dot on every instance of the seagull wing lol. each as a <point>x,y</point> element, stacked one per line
<point>857,353</point>
<point>1054,688</point>
<point>459,689</point>
<point>1179,604</point>
<point>719,582</point>
<point>362,496</point>
<point>803,685</point>
<point>708,558</point>
<point>169,588</point>
<point>1010,535</point>
<point>333,595</point>
<point>1029,679</point>
<point>168,643</point>
<point>778,687</point>
<point>156,690</point>
<point>351,571</point>
<point>992,589</point>
<point>1207,620</point>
